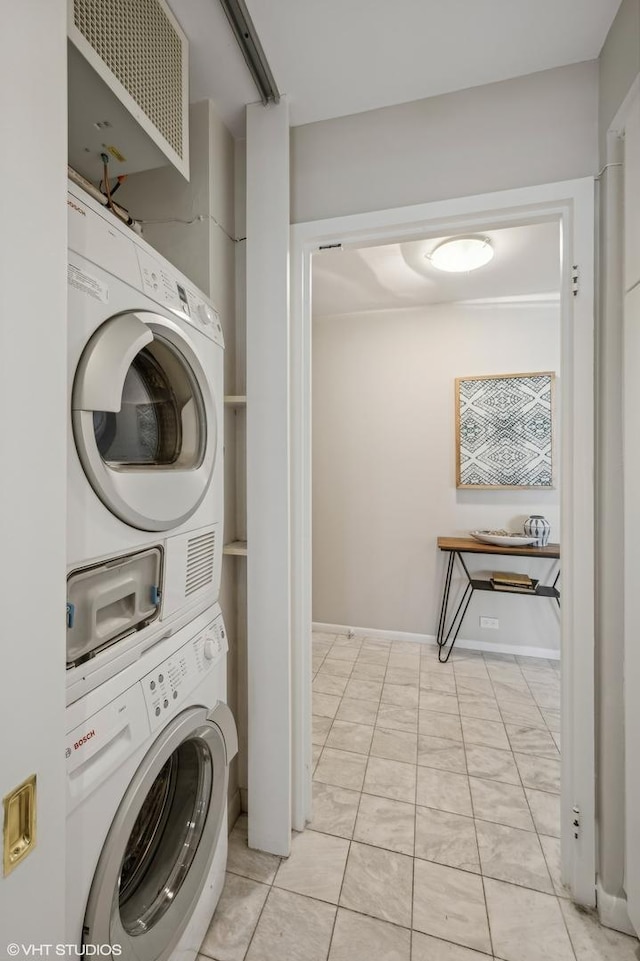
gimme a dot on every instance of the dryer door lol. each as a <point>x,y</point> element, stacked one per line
<point>144,421</point>
<point>159,849</point>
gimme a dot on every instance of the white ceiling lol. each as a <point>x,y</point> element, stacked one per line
<point>526,263</point>
<point>337,57</point>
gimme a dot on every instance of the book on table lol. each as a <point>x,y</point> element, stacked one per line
<point>510,581</point>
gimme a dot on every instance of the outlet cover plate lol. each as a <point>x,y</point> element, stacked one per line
<point>490,623</point>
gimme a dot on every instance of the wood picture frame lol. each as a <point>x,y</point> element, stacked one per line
<point>505,431</point>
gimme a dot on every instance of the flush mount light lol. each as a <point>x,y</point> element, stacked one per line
<point>461,254</point>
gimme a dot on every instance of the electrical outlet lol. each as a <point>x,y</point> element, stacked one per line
<point>490,623</point>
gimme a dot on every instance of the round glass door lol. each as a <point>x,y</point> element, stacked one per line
<point>158,853</point>
<point>144,420</point>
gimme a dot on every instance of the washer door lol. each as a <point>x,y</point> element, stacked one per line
<point>144,421</point>
<point>159,849</point>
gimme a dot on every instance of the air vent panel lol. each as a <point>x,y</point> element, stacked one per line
<point>200,562</point>
<point>141,53</point>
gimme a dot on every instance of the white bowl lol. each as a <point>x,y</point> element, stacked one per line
<point>503,540</point>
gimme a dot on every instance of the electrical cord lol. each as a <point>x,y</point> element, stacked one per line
<point>200,218</point>
<point>110,203</point>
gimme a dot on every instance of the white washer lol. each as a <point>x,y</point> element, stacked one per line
<point>145,394</point>
<point>148,758</point>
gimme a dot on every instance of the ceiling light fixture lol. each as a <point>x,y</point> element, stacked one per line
<point>461,254</point>
<point>249,43</point>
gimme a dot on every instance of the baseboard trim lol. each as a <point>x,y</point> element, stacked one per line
<point>465,643</point>
<point>234,808</point>
<point>613,913</point>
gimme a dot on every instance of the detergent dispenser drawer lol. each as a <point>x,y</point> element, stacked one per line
<point>108,601</point>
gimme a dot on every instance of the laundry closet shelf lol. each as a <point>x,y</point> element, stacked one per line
<point>235,548</point>
<point>235,400</point>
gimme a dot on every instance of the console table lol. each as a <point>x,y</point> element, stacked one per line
<point>456,547</point>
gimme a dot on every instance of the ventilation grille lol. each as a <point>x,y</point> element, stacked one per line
<point>200,558</point>
<point>139,44</point>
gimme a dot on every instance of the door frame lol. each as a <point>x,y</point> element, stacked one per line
<point>572,204</point>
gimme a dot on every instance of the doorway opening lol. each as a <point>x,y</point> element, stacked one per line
<point>479,671</point>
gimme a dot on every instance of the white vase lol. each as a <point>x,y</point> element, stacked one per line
<point>539,527</point>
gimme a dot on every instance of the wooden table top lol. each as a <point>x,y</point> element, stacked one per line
<point>471,546</point>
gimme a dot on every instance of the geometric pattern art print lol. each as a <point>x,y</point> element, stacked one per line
<point>504,430</point>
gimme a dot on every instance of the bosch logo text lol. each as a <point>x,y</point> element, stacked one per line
<point>83,740</point>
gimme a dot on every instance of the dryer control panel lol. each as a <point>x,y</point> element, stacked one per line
<point>168,686</point>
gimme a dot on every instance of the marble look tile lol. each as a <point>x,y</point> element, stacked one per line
<point>469,667</point>
<point>485,733</point>
<point>392,779</point>
<point>474,685</point>
<point>378,883</point>
<point>235,919</point>
<point>385,824</point>
<point>408,662</point>
<point>342,653</point>
<point>323,636</point>
<point>373,643</point>
<point>545,809</point>
<point>441,703</point>
<point>373,656</point>
<point>316,751</point>
<point>526,925</point>
<point>364,671</point>
<point>545,697</point>
<point>592,941</point>
<point>553,857</point>
<point>540,773</point>
<point>557,740</point>
<point>473,705</point>
<point>315,866</point>
<point>426,948</point>
<point>395,745</point>
<point>510,854</point>
<point>449,904</point>
<point>397,718</point>
<point>529,714</point>
<point>501,803</point>
<point>407,647</point>
<point>440,725</point>
<point>333,666</point>
<point>443,791</point>
<point>400,695</point>
<point>528,740</point>
<point>441,753</point>
<point>325,705</point>
<point>341,768</point>
<point>348,736</point>
<point>243,860</point>
<point>432,681</point>
<point>359,938</point>
<point>358,711</point>
<point>490,763</point>
<point>334,809</point>
<point>513,689</point>
<point>329,684</point>
<point>292,928</point>
<point>364,690</point>
<point>446,838</point>
<point>400,675</point>
<point>553,720</point>
<point>320,729</point>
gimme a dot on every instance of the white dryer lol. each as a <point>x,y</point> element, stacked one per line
<point>145,395</point>
<point>148,758</point>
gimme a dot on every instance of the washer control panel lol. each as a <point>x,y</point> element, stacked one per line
<point>168,686</point>
<point>174,292</point>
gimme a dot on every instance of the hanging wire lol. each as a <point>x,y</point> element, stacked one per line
<point>194,220</point>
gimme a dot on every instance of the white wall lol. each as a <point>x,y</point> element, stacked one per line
<point>33,454</point>
<point>532,130</point>
<point>384,465</point>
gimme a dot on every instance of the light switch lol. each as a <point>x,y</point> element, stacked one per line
<point>19,824</point>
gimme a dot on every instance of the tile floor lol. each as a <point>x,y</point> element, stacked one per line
<point>435,832</point>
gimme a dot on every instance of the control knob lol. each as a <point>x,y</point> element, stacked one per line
<point>210,649</point>
<point>206,314</point>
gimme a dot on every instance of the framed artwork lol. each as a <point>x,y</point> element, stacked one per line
<point>504,431</point>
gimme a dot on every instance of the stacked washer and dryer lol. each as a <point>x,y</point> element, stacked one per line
<point>149,734</point>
